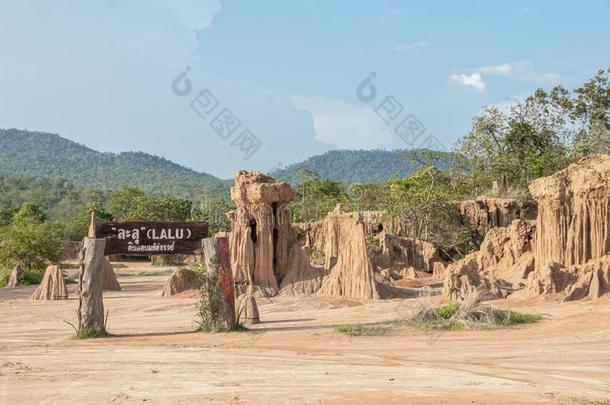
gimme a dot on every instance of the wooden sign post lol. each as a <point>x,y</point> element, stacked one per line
<point>152,238</point>
<point>217,259</point>
<point>146,239</point>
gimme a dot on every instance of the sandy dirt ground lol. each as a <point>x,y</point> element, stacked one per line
<point>295,355</point>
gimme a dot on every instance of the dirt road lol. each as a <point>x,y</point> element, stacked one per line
<point>295,355</point>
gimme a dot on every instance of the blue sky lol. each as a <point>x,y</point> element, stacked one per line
<point>100,73</point>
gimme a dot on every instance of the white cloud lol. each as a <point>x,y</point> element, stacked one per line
<point>502,70</point>
<point>344,125</point>
<point>410,45</point>
<point>474,80</point>
<point>194,14</point>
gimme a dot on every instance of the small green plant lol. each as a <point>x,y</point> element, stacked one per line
<point>447,311</point>
<point>510,318</point>
<point>90,332</point>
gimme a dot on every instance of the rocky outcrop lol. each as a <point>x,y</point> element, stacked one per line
<point>351,272</point>
<point>15,277</point>
<point>408,252</point>
<point>302,277</point>
<point>485,213</point>
<point>109,281</point>
<point>570,253</point>
<point>181,280</point>
<point>268,253</point>
<point>261,235</point>
<point>578,281</point>
<point>52,286</point>
<point>500,267</point>
<point>574,213</point>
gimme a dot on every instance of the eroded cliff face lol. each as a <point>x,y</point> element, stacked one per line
<point>406,252</point>
<point>485,213</point>
<point>569,256</point>
<point>574,212</point>
<point>261,235</point>
<point>499,268</point>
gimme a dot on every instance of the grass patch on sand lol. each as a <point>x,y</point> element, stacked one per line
<point>90,333</point>
<point>380,329</point>
<point>470,314</point>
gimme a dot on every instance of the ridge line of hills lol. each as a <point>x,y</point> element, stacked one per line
<point>47,155</point>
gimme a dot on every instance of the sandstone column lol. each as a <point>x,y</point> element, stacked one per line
<point>261,234</point>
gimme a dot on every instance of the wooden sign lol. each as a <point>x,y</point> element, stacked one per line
<point>152,238</point>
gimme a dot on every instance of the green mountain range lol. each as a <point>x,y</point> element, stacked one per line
<point>364,166</point>
<point>45,155</point>
<point>40,154</point>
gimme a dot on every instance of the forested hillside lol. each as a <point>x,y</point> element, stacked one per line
<point>40,154</point>
<point>363,166</point>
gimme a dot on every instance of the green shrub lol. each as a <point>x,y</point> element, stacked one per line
<point>28,277</point>
<point>31,277</point>
<point>447,311</point>
<point>212,303</point>
<point>5,274</point>
<point>510,318</point>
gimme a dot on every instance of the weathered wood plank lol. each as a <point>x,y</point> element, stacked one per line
<point>217,259</point>
<point>91,305</point>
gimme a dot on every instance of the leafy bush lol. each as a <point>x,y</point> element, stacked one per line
<point>447,311</point>
<point>5,274</point>
<point>212,303</point>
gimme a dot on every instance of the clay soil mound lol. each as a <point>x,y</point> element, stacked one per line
<point>181,280</point>
<point>109,281</point>
<point>13,280</point>
<point>52,286</point>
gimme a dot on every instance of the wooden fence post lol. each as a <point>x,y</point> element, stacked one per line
<point>217,258</point>
<point>91,300</point>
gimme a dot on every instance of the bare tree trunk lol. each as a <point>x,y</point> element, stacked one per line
<point>217,259</point>
<point>91,304</point>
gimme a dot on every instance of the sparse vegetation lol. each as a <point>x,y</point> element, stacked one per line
<point>211,303</point>
<point>377,329</point>
<point>89,333</point>
<point>470,314</point>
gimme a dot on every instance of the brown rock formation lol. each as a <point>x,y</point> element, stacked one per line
<point>261,235</point>
<point>15,277</point>
<point>484,213</point>
<point>574,213</point>
<point>351,272</point>
<point>302,278</point>
<point>52,286</point>
<point>246,309</point>
<point>181,280</point>
<point>408,252</point>
<point>500,267</point>
<point>109,281</point>
<point>578,281</point>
